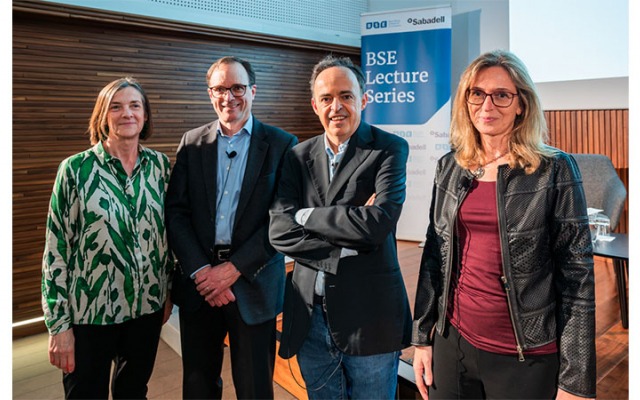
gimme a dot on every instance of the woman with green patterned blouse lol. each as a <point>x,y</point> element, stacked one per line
<point>106,262</point>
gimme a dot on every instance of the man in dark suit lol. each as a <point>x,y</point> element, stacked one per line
<point>229,279</point>
<point>346,313</point>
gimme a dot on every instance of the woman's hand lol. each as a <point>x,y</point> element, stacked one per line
<point>62,351</point>
<point>422,369</point>
<point>168,308</point>
<point>562,395</point>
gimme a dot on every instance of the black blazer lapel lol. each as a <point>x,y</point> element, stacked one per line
<point>255,159</point>
<point>318,168</point>
<point>209,167</point>
<point>358,150</point>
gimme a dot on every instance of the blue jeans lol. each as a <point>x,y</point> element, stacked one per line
<point>331,374</point>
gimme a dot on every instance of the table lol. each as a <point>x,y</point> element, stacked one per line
<point>618,251</point>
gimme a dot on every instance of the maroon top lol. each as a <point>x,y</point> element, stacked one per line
<point>479,308</point>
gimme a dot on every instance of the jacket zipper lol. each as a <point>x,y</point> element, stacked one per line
<point>505,282</point>
<point>507,289</point>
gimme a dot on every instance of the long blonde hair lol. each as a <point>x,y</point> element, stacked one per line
<point>527,143</point>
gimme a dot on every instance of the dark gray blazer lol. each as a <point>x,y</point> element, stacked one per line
<point>190,218</point>
<point>367,306</point>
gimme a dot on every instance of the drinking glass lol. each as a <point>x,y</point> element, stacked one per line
<point>593,228</point>
<point>603,226</point>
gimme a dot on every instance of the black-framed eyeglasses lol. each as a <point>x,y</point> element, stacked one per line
<point>500,98</point>
<point>236,90</point>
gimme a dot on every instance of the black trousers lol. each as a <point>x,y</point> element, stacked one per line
<point>131,346</point>
<point>252,349</point>
<point>461,371</point>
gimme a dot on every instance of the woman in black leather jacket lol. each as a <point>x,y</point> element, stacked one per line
<point>505,301</point>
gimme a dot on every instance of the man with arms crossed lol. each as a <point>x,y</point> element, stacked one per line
<point>346,310</point>
<point>229,279</point>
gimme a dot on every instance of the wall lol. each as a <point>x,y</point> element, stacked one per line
<point>579,49</point>
<point>587,94</point>
<point>328,21</point>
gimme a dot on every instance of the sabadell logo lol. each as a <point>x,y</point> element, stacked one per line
<point>426,21</point>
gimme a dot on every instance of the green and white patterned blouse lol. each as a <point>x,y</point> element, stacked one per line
<point>106,258</point>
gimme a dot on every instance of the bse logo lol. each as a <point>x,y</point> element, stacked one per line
<point>376,25</point>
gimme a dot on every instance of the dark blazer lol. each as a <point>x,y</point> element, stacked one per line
<point>190,218</point>
<point>366,301</point>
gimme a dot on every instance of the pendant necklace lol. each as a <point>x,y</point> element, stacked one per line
<point>479,173</point>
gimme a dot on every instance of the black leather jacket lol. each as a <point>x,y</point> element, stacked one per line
<point>547,260</point>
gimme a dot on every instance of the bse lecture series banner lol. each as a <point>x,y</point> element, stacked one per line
<point>406,59</point>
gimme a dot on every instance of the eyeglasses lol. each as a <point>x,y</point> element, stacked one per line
<point>236,90</point>
<point>499,99</point>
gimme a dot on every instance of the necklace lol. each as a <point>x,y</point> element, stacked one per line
<point>479,173</point>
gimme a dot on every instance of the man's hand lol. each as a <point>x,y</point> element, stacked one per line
<point>221,299</point>
<point>422,359</point>
<point>212,281</point>
<point>62,351</point>
<point>370,201</point>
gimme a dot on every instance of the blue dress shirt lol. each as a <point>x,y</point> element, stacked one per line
<point>231,168</point>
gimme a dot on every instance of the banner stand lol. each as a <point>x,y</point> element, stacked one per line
<point>406,59</point>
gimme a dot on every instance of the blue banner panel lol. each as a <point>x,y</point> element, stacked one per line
<point>408,76</point>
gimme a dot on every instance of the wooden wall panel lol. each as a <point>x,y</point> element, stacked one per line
<point>63,56</point>
<point>595,132</point>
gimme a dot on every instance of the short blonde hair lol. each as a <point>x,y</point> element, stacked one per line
<point>527,144</point>
<point>98,123</point>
